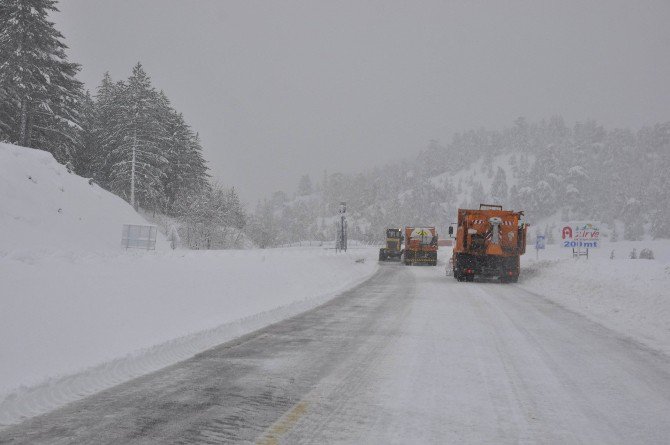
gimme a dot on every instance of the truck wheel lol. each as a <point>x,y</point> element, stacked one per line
<point>507,279</point>
<point>470,278</point>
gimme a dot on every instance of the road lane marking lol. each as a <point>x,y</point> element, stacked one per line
<point>283,425</point>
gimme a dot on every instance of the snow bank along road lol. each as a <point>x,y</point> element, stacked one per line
<point>410,356</point>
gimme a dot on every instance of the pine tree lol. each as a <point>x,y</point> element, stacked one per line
<point>614,237</point>
<point>186,168</point>
<point>262,229</point>
<point>658,193</point>
<point>305,186</point>
<point>477,196</point>
<point>86,156</point>
<point>499,187</point>
<point>632,217</point>
<point>235,215</point>
<point>577,189</point>
<point>139,166</point>
<point>38,88</point>
<point>105,117</point>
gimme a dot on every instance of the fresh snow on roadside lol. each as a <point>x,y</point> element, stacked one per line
<point>79,314</point>
<point>630,296</point>
<point>71,326</point>
<point>44,208</point>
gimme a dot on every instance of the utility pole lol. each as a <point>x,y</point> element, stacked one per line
<point>23,131</point>
<point>132,171</point>
<point>342,235</point>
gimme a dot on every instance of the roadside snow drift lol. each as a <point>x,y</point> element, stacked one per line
<point>79,314</point>
<point>630,296</point>
<point>43,207</point>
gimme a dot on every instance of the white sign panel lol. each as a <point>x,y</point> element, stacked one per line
<point>580,234</point>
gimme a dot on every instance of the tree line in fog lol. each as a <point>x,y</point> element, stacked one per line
<point>552,171</point>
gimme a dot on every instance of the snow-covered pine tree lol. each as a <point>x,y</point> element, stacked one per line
<point>660,220</point>
<point>633,220</point>
<point>614,236</point>
<point>499,191</point>
<point>433,159</point>
<point>86,156</point>
<point>104,116</point>
<point>186,169</point>
<point>235,215</point>
<point>262,228</point>
<point>304,186</point>
<point>577,191</point>
<point>658,193</point>
<point>38,89</point>
<point>139,166</point>
<point>477,196</point>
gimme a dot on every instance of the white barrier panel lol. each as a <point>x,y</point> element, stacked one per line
<point>139,237</point>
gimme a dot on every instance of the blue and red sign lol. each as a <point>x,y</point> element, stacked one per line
<point>580,234</point>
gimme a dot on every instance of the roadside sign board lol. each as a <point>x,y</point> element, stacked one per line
<point>540,242</point>
<point>580,234</point>
<point>139,236</point>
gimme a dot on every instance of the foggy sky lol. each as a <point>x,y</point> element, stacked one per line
<point>280,89</point>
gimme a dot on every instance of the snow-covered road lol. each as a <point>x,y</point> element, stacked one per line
<point>410,356</point>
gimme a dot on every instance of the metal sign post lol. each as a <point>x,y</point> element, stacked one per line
<point>540,244</point>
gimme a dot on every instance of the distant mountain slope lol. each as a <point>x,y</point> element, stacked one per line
<point>44,207</point>
<point>551,171</point>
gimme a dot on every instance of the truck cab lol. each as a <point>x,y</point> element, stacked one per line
<point>392,251</point>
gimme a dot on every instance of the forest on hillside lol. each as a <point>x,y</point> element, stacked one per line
<point>550,170</point>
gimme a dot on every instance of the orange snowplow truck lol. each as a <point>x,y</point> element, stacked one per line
<point>489,243</point>
<point>420,246</point>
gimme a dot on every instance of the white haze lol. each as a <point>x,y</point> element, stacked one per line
<point>279,89</point>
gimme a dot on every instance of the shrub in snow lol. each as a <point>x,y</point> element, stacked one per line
<point>633,254</point>
<point>646,254</point>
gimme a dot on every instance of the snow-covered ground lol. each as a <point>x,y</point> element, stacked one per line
<point>43,208</point>
<point>631,296</point>
<point>78,313</point>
